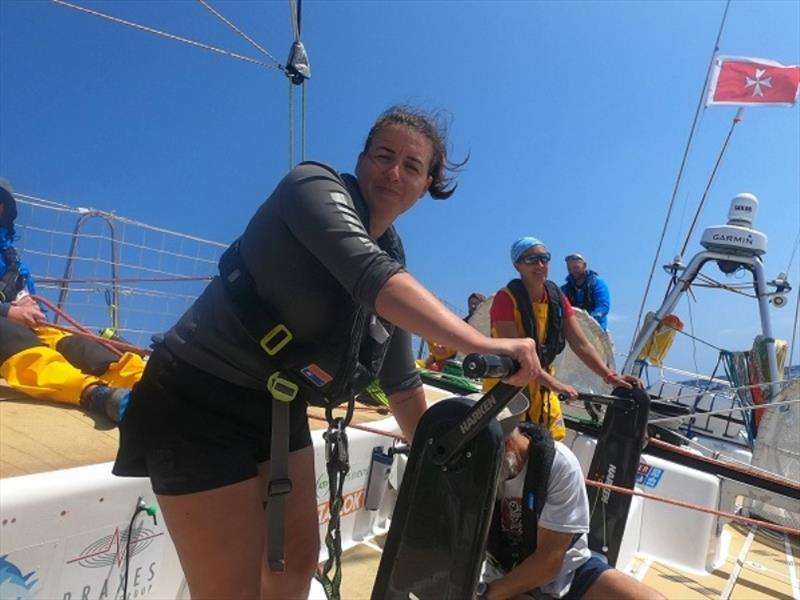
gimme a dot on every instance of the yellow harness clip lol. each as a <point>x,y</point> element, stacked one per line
<point>283,335</point>
<point>281,389</point>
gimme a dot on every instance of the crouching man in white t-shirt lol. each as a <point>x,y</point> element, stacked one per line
<point>561,566</point>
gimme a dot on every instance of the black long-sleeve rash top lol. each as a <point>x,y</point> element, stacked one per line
<point>310,253</point>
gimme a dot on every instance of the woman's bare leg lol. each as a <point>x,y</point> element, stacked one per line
<point>220,536</point>
<point>302,532</point>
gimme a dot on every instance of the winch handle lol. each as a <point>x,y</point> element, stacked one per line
<point>494,366</point>
<point>453,441</point>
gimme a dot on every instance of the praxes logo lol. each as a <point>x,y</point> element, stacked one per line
<point>110,553</point>
<point>14,583</point>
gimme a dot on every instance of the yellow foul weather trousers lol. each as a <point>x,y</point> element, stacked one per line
<point>43,372</point>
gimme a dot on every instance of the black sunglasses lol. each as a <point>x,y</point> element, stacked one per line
<point>532,259</point>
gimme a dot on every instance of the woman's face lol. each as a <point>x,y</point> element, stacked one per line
<point>539,269</point>
<point>393,172</point>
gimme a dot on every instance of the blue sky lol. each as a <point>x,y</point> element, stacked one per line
<point>574,115</point>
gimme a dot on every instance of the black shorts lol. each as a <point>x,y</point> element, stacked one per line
<point>585,576</point>
<point>190,431</point>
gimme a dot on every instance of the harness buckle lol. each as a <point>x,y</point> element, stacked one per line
<point>281,388</point>
<point>270,344</point>
<point>279,487</point>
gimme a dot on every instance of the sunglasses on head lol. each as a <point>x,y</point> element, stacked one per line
<point>532,259</point>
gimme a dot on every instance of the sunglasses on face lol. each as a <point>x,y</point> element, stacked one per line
<point>533,259</point>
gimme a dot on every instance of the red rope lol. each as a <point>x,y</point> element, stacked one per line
<point>60,313</point>
<point>622,490</point>
<point>733,466</point>
<point>113,345</point>
<point>396,436</point>
<point>697,507</point>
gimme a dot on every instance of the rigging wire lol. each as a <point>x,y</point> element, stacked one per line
<point>295,8</point>
<point>298,71</point>
<point>171,36</point>
<point>736,120</point>
<point>291,125</point>
<point>681,222</point>
<point>297,13</point>
<point>709,282</point>
<point>794,327</point>
<point>241,33</point>
<point>794,252</point>
<point>681,169</point>
<point>303,122</point>
<point>169,279</point>
<point>693,337</point>
<point>690,335</point>
<point>797,301</point>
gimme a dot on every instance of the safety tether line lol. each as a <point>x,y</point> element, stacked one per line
<point>337,462</point>
<point>170,36</point>
<point>736,120</point>
<point>679,177</point>
<point>723,411</point>
<point>227,22</point>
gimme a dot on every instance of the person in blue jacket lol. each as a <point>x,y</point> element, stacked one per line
<point>586,290</point>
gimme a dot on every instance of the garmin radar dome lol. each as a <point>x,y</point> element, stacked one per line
<point>738,235</point>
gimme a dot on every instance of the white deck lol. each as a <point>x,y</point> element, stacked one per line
<point>64,518</point>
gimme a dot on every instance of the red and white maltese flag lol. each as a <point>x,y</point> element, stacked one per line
<point>744,81</point>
